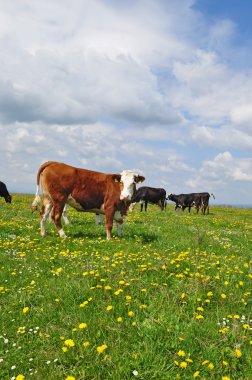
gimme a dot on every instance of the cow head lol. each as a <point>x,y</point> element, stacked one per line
<point>170,197</point>
<point>8,199</point>
<point>128,179</point>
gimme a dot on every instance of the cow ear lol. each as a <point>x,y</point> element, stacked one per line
<point>139,179</point>
<point>116,177</point>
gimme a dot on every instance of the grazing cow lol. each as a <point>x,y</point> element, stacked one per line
<point>4,193</point>
<point>202,201</point>
<point>197,200</point>
<point>182,200</point>
<point>153,195</point>
<point>85,190</point>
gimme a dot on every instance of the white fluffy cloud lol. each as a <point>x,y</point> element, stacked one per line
<point>111,85</point>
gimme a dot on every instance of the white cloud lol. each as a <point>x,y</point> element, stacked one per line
<point>111,85</point>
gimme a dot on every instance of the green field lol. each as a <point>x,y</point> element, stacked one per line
<point>171,299</point>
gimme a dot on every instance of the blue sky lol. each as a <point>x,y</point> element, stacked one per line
<point>111,85</point>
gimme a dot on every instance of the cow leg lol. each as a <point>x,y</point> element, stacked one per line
<point>57,212</point>
<point>44,213</point>
<point>109,215</point>
<point>64,215</point>
<point>141,205</point>
<point>162,204</point>
<point>98,219</point>
<point>145,205</point>
<point>119,220</point>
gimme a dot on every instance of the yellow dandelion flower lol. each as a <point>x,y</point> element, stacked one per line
<point>143,306</point>
<point>199,316</point>
<point>209,294</point>
<point>188,360</point>
<point>225,378</point>
<point>109,307</point>
<point>82,325</point>
<point>101,348</point>
<point>200,308</point>
<point>183,364</point>
<point>238,353</point>
<point>225,363</point>
<point>20,377</point>
<point>210,366</point>
<point>86,344</point>
<point>205,362</point>
<point>223,295</point>
<point>133,324</point>
<point>196,374</point>
<point>70,378</point>
<point>119,319</point>
<point>69,343</point>
<point>131,313</point>
<point>25,310</point>
<point>181,353</point>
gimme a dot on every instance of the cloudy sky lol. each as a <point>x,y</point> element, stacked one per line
<point>161,86</point>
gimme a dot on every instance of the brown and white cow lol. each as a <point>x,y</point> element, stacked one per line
<point>85,190</point>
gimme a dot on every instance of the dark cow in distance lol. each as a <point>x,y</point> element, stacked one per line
<point>85,190</point>
<point>153,195</point>
<point>197,200</point>
<point>4,192</point>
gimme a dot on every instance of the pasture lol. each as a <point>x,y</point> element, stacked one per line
<point>171,299</point>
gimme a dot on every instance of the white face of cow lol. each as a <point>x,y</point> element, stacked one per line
<point>129,180</point>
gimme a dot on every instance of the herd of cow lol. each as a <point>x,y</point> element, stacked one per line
<point>109,194</point>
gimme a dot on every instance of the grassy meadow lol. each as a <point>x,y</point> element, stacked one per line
<point>171,299</point>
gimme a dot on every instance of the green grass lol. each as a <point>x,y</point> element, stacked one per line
<point>180,285</point>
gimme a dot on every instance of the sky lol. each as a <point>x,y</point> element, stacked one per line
<point>163,87</point>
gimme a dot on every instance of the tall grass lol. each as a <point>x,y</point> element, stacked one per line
<point>170,299</point>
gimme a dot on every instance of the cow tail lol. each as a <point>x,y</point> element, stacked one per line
<point>212,195</point>
<point>37,198</point>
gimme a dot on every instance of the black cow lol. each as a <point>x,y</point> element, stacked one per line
<point>153,195</point>
<point>197,200</point>
<point>182,200</point>
<point>202,201</point>
<point>4,192</point>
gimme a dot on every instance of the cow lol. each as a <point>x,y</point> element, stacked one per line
<point>197,200</point>
<point>182,200</point>
<point>4,193</point>
<point>202,201</point>
<point>145,195</point>
<point>85,190</point>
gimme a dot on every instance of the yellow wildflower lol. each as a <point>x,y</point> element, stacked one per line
<point>238,353</point>
<point>181,353</point>
<point>183,364</point>
<point>101,348</point>
<point>69,343</point>
<point>25,310</point>
<point>82,325</point>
